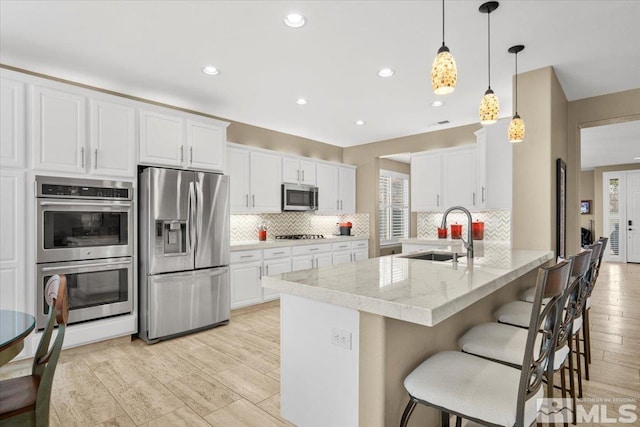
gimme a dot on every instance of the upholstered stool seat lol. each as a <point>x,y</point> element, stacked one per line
<point>476,387</point>
<point>504,343</point>
<point>518,313</point>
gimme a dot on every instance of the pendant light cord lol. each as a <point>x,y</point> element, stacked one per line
<point>442,22</point>
<point>516,83</point>
<point>489,46</point>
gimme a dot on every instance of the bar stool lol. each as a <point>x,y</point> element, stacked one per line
<point>587,330</point>
<point>488,392</point>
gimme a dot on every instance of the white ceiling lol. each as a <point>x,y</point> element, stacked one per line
<point>615,144</point>
<point>156,49</point>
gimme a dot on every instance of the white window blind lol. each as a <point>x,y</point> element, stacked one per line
<point>394,206</point>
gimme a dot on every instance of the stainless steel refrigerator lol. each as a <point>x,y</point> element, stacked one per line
<point>183,252</point>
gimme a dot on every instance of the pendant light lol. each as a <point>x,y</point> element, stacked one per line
<point>444,73</point>
<point>490,106</point>
<point>516,127</point>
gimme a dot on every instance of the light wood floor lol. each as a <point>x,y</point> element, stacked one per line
<point>229,376</point>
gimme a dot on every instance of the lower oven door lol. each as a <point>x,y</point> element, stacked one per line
<point>96,288</point>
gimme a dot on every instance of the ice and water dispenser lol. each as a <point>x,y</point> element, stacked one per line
<point>171,237</point>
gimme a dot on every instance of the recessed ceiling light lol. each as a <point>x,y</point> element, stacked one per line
<point>636,158</point>
<point>295,20</point>
<point>386,72</point>
<point>301,101</point>
<point>437,103</point>
<point>359,123</point>
<point>211,70</point>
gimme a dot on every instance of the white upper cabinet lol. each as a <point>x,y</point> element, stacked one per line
<point>12,123</point>
<point>459,178</point>
<point>207,141</point>
<point>255,180</point>
<point>112,138</point>
<point>58,130</point>
<point>495,166</point>
<point>327,178</point>
<point>162,138</point>
<point>347,189</point>
<point>426,182</point>
<point>298,171</point>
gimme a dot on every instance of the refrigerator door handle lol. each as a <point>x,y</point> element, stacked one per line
<point>191,226</point>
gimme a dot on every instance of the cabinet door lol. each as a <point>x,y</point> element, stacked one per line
<point>12,123</point>
<point>426,181</point>
<point>162,139</point>
<point>459,179</point>
<point>112,138</point>
<point>360,255</point>
<point>481,168</point>
<point>206,143</point>
<point>271,267</point>
<point>302,262</point>
<point>59,130</point>
<point>343,257</point>
<point>347,190</point>
<point>291,170</point>
<point>245,284</point>
<point>308,172</point>
<point>238,170</point>
<point>13,225</point>
<point>323,260</point>
<point>266,181</point>
<point>327,178</point>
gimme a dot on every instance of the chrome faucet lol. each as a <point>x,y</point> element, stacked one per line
<point>469,243</point>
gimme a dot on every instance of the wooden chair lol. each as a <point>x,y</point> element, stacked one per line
<point>488,392</point>
<point>25,401</point>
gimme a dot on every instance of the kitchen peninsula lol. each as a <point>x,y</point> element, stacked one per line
<point>351,333</point>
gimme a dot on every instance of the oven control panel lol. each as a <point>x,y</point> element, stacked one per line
<point>82,188</point>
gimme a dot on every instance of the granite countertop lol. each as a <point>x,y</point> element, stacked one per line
<point>417,291</point>
<point>276,243</point>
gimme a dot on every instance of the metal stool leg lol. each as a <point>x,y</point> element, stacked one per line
<point>587,334</point>
<point>407,412</point>
<point>445,418</point>
<point>579,365</point>
<point>585,351</point>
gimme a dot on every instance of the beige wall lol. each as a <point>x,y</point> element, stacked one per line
<point>598,196</point>
<point>597,111</point>
<point>587,193</point>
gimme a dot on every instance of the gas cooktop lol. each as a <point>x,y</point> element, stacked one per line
<point>300,236</point>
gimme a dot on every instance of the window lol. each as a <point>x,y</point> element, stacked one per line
<point>394,207</point>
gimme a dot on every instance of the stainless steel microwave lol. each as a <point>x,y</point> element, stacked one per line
<point>299,197</point>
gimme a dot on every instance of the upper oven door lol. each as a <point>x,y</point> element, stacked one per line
<point>78,229</point>
<point>299,198</point>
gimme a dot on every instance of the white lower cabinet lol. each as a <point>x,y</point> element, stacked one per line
<point>246,271</point>
<point>346,252</point>
<point>276,261</point>
<point>13,288</point>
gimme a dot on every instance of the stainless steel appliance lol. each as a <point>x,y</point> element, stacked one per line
<point>299,197</point>
<point>85,230</point>
<point>184,252</point>
<point>300,237</point>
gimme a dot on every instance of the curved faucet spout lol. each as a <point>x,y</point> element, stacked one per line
<point>469,243</point>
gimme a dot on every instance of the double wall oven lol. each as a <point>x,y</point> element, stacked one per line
<point>85,231</point>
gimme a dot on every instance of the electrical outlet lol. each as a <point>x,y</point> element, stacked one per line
<point>341,338</point>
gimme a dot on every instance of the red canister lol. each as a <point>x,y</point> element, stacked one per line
<point>456,231</point>
<point>442,233</point>
<point>477,229</point>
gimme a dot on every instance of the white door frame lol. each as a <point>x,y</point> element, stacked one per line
<point>622,230</point>
<point>631,183</point>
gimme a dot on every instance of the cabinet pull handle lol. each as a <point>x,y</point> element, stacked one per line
<point>182,153</point>
<point>190,155</point>
<point>82,157</point>
<point>340,204</point>
<point>474,198</point>
<point>246,256</point>
<point>260,272</point>
<point>437,200</point>
<point>246,197</point>
<point>278,253</point>
<point>253,200</point>
<point>314,249</point>
<point>266,270</point>
<point>95,158</point>
<point>483,194</point>
<point>316,260</point>
<point>298,174</point>
<point>302,175</point>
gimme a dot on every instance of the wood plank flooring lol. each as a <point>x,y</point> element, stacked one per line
<point>229,376</point>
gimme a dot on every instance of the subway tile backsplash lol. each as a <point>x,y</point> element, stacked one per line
<point>497,224</point>
<point>245,226</point>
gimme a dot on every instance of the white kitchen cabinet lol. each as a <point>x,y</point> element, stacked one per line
<point>360,249</point>
<point>336,189</point>
<point>58,120</point>
<point>305,257</point>
<point>459,178</point>
<point>255,180</point>
<point>345,252</point>
<point>13,226</point>
<point>162,138</point>
<point>494,166</point>
<point>245,280</point>
<point>276,261</point>
<point>426,182</point>
<point>112,138</point>
<point>206,142</point>
<point>12,123</point>
<point>298,171</point>
<point>342,257</point>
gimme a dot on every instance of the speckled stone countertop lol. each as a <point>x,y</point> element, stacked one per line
<point>417,291</point>
<point>276,243</point>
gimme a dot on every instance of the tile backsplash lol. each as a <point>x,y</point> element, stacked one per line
<point>244,226</point>
<point>497,224</point>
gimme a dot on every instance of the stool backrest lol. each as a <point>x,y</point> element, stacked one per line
<point>604,241</point>
<point>551,283</point>
<point>574,298</point>
<point>596,249</point>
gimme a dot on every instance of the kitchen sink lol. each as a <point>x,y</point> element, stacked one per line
<point>432,256</point>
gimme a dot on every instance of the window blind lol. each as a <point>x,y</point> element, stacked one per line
<point>394,207</point>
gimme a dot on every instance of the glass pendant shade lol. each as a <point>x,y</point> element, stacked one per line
<point>444,73</point>
<point>489,108</point>
<point>516,129</point>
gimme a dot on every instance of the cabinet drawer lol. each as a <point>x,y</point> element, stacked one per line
<point>342,246</point>
<point>311,249</point>
<point>360,244</point>
<point>245,256</point>
<point>277,253</point>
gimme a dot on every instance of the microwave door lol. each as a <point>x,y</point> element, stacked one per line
<point>212,220</point>
<point>170,207</point>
